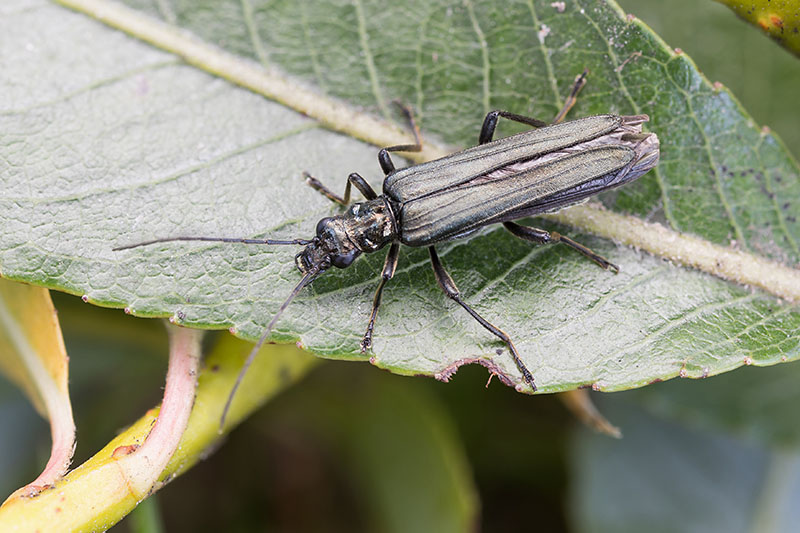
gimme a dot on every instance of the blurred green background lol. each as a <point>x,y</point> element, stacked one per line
<point>306,461</point>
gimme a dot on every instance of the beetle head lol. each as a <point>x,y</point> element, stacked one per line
<point>330,247</point>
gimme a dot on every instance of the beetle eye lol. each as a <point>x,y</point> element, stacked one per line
<point>344,260</point>
<point>321,225</point>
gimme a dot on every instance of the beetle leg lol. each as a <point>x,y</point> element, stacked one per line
<point>388,272</point>
<point>451,290</point>
<point>490,122</point>
<point>353,179</point>
<point>383,156</point>
<point>580,81</point>
<point>541,236</point>
<point>361,184</point>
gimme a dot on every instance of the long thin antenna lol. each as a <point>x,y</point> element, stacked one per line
<point>308,278</point>
<point>214,239</point>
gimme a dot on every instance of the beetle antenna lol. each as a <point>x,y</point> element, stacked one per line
<point>308,278</point>
<point>214,239</point>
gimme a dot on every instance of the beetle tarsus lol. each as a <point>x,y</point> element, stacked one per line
<point>577,85</point>
<point>317,185</point>
<point>366,342</point>
<point>389,267</point>
<point>588,252</point>
<point>353,179</point>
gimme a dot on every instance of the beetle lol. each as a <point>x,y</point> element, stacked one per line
<point>553,166</point>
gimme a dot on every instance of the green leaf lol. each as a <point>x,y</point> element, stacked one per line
<point>106,141</point>
<point>391,435</point>
<point>677,479</point>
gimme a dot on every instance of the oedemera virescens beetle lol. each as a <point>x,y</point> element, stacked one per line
<point>548,168</point>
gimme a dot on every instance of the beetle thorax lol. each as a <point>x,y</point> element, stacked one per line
<point>370,225</point>
<point>364,228</point>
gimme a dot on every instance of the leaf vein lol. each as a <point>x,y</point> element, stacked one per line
<point>762,321</point>
<point>486,65</point>
<point>66,97</point>
<point>718,186</point>
<point>774,200</point>
<point>252,30</point>
<point>312,50</point>
<point>546,57</point>
<point>594,308</point>
<point>175,175</point>
<point>697,312</point>
<point>665,200</point>
<point>166,11</point>
<point>369,60</point>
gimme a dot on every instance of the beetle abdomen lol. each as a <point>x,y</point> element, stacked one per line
<point>456,169</point>
<point>502,196</point>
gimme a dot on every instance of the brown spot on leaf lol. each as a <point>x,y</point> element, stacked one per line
<point>31,491</point>
<point>122,451</point>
